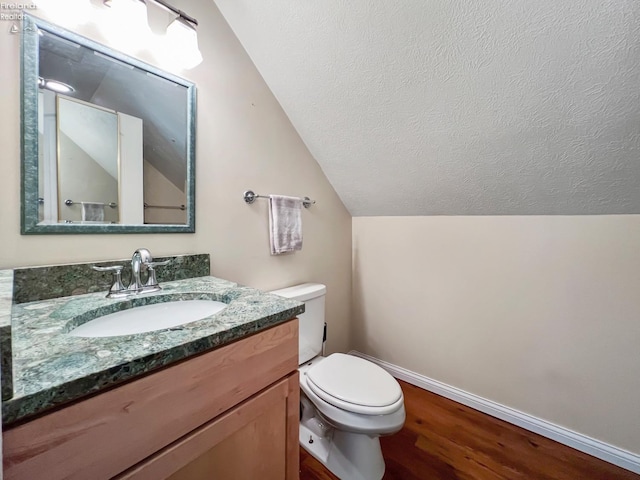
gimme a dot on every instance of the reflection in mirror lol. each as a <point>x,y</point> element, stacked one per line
<point>87,162</point>
<point>114,149</point>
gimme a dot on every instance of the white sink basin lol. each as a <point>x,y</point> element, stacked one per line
<point>148,318</point>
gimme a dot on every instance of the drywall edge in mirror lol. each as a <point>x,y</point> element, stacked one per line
<point>30,215</point>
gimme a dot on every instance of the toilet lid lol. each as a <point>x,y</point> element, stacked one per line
<point>353,380</point>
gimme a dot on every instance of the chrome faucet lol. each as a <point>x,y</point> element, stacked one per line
<point>140,258</point>
<point>141,261</point>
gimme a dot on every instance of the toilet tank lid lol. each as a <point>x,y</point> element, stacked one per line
<point>303,292</point>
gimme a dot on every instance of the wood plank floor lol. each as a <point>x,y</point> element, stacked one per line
<point>444,440</point>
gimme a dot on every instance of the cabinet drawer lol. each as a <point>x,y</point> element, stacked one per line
<point>104,435</point>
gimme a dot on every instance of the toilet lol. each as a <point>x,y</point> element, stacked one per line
<point>346,402</point>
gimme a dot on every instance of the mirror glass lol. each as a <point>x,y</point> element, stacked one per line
<point>108,141</point>
<point>87,139</point>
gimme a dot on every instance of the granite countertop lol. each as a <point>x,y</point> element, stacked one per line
<point>6,293</point>
<point>6,301</point>
<point>51,368</point>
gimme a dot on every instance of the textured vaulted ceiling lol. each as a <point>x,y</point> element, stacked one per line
<point>459,107</point>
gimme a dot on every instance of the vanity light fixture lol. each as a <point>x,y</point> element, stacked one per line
<point>180,43</point>
<point>133,12</point>
<point>175,11</point>
<point>125,24</point>
<point>55,85</point>
<point>181,38</point>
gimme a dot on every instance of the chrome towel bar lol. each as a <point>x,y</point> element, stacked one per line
<point>168,207</point>
<point>250,197</point>
<point>68,202</point>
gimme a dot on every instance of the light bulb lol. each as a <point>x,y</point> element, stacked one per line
<point>181,45</point>
<point>57,86</point>
<point>125,26</point>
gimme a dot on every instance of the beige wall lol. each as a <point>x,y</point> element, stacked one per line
<point>158,190</point>
<point>539,313</point>
<point>82,179</point>
<point>244,141</point>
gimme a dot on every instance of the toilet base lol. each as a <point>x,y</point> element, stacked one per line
<point>349,456</point>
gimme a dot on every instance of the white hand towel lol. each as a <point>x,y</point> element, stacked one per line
<point>92,212</point>
<point>285,224</point>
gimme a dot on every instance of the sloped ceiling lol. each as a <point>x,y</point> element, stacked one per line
<point>461,107</point>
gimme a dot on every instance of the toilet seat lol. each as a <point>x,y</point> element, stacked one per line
<point>355,385</point>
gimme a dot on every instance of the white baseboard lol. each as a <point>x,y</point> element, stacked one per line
<point>591,446</point>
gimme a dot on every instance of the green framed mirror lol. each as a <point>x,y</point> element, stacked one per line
<point>108,142</point>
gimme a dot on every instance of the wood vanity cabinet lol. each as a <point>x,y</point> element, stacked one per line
<point>231,414</point>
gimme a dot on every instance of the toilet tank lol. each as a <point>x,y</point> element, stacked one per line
<point>311,321</point>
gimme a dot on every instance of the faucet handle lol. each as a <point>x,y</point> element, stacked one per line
<point>157,264</point>
<point>110,268</point>
<point>116,270</point>
<point>151,269</point>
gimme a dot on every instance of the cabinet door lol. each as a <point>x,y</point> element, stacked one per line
<point>257,439</point>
